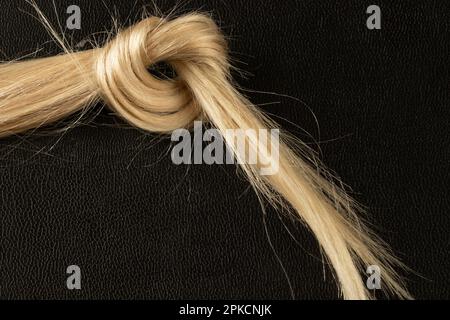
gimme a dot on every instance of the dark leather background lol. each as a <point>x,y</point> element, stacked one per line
<point>108,198</point>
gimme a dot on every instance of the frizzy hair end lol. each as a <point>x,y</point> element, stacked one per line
<point>38,92</point>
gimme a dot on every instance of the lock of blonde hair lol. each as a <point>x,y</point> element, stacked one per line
<point>38,92</point>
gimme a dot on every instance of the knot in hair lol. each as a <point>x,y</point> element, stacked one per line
<point>43,91</point>
<point>191,44</point>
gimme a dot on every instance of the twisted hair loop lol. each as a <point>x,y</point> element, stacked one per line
<point>38,92</point>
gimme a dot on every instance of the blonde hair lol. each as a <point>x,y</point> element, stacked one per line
<point>38,92</point>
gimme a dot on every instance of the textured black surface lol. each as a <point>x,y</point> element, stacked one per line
<point>109,199</point>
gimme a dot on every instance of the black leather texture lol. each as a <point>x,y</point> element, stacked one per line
<point>106,197</point>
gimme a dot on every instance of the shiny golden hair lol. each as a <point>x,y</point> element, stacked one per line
<point>38,92</point>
